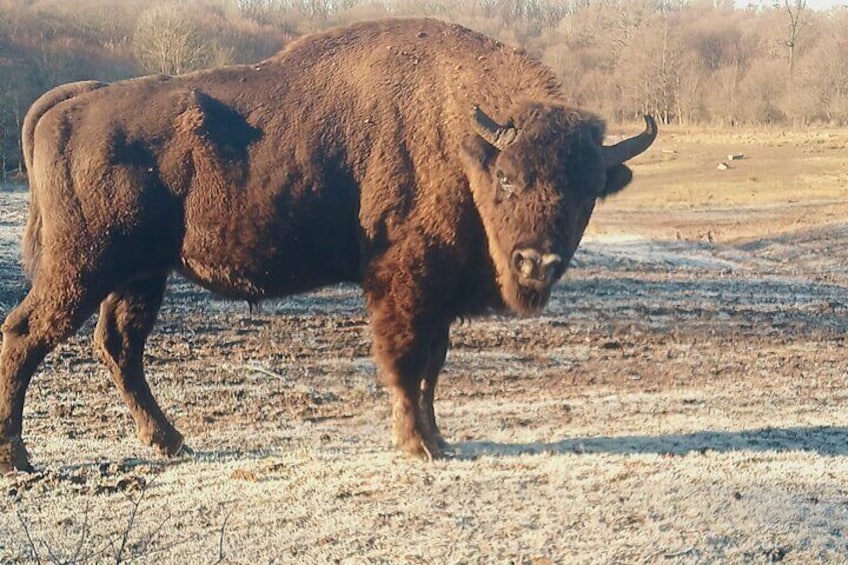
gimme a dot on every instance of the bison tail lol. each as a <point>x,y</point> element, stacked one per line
<point>32,233</point>
<point>31,245</point>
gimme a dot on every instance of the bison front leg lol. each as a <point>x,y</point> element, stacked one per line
<point>403,349</point>
<point>438,352</point>
<point>126,319</point>
<point>412,429</point>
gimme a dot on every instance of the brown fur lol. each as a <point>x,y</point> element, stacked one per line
<point>350,156</point>
<point>31,243</point>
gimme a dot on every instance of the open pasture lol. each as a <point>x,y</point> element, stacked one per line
<point>683,399</point>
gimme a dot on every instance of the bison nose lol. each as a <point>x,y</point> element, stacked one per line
<point>532,265</point>
<point>526,263</point>
<point>551,266</point>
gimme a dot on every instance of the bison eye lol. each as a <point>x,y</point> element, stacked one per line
<point>505,189</point>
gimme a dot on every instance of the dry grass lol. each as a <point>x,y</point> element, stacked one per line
<point>788,180</point>
<point>683,400</point>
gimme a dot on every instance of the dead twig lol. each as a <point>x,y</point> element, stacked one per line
<point>48,545</point>
<point>119,556</point>
<point>78,551</point>
<point>221,538</point>
<point>153,534</point>
<point>28,537</point>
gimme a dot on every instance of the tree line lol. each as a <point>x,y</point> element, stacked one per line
<point>686,62</point>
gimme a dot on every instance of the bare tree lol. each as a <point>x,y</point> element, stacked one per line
<point>820,84</point>
<point>167,40</point>
<point>794,11</point>
<point>650,67</point>
<point>759,94</point>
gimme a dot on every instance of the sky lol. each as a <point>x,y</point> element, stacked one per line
<point>811,4</point>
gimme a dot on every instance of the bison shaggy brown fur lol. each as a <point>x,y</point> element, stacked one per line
<point>439,169</point>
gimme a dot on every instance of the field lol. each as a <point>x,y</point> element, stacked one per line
<point>682,400</point>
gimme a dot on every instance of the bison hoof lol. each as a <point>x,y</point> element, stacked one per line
<point>185,451</point>
<point>172,446</point>
<point>427,451</point>
<point>167,442</point>
<point>14,457</point>
<point>441,442</point>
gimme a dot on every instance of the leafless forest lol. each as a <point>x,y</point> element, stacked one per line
<point>698,62</point>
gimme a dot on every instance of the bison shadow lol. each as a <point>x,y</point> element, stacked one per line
<point>824,440</point>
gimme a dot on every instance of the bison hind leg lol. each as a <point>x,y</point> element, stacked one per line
<point>30,332</point>
<point>126,319</point>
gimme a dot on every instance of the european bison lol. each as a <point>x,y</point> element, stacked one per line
<point>436,167</point>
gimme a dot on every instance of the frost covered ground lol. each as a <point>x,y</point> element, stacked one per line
<point>683,399</point>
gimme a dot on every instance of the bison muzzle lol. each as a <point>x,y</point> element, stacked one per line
<point>437,168</point>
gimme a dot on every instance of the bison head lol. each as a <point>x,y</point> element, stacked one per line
<point>535,181</point>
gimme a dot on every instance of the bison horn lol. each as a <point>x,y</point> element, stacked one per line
<point>629,148</point>
<point>487,128</point>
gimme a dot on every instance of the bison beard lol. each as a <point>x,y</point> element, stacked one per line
<point>437,168</point>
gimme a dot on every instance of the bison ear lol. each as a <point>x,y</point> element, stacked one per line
<point>478,157</point>
<point>476,152</point>
<point>618,176</point>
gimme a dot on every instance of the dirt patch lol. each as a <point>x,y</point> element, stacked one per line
<point>682,399</point>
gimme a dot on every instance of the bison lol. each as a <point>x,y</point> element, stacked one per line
<point>439,169</point>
